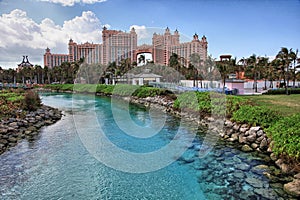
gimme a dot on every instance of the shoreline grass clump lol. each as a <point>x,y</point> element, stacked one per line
<point>286,136</point>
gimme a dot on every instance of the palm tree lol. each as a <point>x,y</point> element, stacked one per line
<point>285,56</point>
<point>263,69</point>
<point>196,62</point>
<point>225,67</point>
<point>252,64</point>
<point>243,62</point>
<point>294,56</point>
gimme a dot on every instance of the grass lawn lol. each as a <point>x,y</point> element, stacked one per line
<point>284,104</point>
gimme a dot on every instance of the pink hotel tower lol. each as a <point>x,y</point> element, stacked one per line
<point>118,45</point>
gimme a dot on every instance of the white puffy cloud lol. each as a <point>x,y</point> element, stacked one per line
<point>24,36</point>
<point>72,2</point>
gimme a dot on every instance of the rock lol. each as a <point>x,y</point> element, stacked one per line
<point>234,137</point>
<point>12,139</point>
<point>239,174</point>
<point>3,130</point>
<point>272,178</point>
<point>293,188</point>
<point>259,133</point>
<point>14,125</point>
<point>236,127</point>
<point>297,176</point>
<point>3,141</point>
<point>243,166</point>
<point>246,148</point>
<point>251,138</point>
<point>228,123</point>
<point>243,130</point>
<point>284,167</point>
<point>259,139</point>
<point>266,193</point>
<point>188,158</point>
<point>48,122</point>
<point>229,132</point>
<point>264,144</point>
<point>242,139</point>
<point>273,157</point>
<point>259,168</point>
<point>31,128</point>
<point>257,183</point>
<point>254,146</point>
<point>254,129</point>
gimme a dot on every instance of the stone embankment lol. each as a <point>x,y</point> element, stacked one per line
<point>13,130</point>
<point>249,138</point>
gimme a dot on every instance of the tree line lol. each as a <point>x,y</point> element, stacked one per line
<point>282,68</point>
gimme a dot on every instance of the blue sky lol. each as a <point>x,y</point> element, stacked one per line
<point>237,27</point>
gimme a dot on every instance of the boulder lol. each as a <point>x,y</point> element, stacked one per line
<point>236,127</point>
<point>293,188</point>
<point>246,148</point>
<point>254,146</point>
<point>297,176</point>
<point>254,129</point>
<point>228,123</point>
<point>243,130</point>
<point>264,144</point>
<point>251,138</point>
<point>259,133</point>
<point>234,137</point>
<point>242,139</point>
<point>273,156</point>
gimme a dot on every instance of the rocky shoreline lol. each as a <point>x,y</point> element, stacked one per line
<point>14,129</point>
<point>250,139</point>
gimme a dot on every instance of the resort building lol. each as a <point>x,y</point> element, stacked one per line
<point>52,60</point>
<point>166,44</point>
<point>118,45</point>
<point>89,51</point>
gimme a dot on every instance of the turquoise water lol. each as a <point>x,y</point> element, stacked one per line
<point>59,165</point>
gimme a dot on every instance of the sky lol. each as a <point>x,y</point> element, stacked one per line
<point>237,27</point>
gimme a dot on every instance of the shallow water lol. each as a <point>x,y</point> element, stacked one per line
<point>59,164</point>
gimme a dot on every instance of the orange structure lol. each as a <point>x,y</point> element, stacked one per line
<point>118,45</point>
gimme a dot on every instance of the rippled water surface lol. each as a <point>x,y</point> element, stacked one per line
<point>57,164</point>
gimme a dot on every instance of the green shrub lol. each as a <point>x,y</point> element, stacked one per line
<point>233,103</point>
<point>143,92</point>
<point>31,101</point>
<point>282,91</point>
<point>286,136</point>
<point>255,116</point>
<point>210,103</point>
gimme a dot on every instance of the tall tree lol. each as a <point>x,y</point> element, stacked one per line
<point>285,56</point>
<point>294,57</point>
<point>252,64</point>
<point>225,67</point>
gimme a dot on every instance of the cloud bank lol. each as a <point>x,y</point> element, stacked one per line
<point>23,36</point>
<point>72,2</point>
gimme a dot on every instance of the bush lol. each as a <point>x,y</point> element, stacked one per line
<point>286,136</point>
<point>207,103</point>
<point>233,103</point>
<point>31,101</point>
<point>282,91</point>
<point>143,92</point>
<point>255,116</point>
